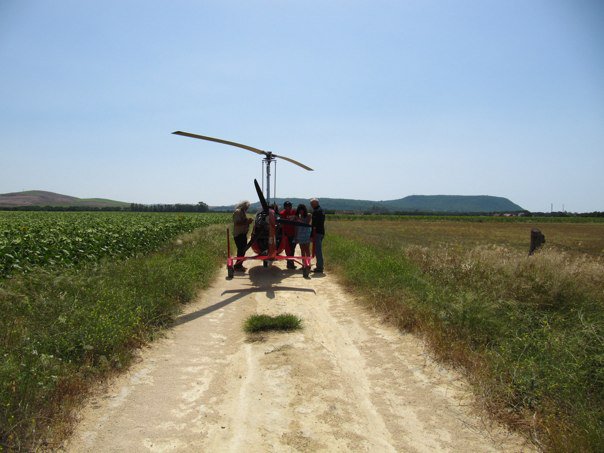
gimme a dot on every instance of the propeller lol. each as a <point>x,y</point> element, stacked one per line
<point>268,154</point>
<point>265,208</point>
<point>261,196</point>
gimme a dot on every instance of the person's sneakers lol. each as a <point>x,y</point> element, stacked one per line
<point>317,270</point>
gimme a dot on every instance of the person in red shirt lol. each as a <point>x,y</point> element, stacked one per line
<point>289,231</point>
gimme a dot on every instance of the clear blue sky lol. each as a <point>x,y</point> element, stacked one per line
<point>383,98</point>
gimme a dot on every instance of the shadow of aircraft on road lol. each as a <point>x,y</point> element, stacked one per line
<point>259,280</point>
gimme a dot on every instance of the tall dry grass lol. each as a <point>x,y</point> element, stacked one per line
<point>529,331</point>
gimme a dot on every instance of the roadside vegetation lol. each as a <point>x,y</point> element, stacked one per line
<point>63,329</point>
<point>528,330</point>
<point>263,323</point>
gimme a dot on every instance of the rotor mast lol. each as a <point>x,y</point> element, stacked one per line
<point>268,160</point>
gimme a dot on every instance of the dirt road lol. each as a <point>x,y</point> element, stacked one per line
<point>345,382</point>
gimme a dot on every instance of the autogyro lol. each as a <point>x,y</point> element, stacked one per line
<point>266,240</point>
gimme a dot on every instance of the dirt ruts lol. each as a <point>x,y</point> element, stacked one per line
<point>345,382</point>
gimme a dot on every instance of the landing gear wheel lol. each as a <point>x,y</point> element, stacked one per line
<point>230,272</point>
<point>306,271</point>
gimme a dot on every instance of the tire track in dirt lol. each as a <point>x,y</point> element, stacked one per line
<point>345,382</point>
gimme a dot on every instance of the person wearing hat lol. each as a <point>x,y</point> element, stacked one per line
<point>240,228</point>
<point>318,223</point>
<point>289,231</point>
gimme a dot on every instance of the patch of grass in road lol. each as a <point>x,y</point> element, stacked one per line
<point>528,330</point>
<point>262,323</point>
<point>63,330</point>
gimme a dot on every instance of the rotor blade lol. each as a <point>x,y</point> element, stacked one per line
<point>293,222</point>
<point>293,162</point>
<point>219,140</point>
<point>261,196</point>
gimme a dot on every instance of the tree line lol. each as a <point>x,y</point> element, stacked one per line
<point>199,207</point>
<point>203,207</point>
<point>133,207</point>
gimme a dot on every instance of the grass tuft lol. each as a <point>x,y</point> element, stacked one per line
<point>263,323</point>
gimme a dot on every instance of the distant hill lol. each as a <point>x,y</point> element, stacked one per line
<point>452,203</point>
<point>412,203</point>
<point>43,198</point>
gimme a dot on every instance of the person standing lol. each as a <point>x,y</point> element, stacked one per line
<point>241,224</point>
<point>318,223</point>
<point>289,231</point>
<point>302,232</point>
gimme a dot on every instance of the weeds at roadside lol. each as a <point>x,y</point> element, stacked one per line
<point>528,331</point>
<point>62,331</point>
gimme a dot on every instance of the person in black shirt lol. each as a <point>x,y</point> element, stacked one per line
<point>318,223</point>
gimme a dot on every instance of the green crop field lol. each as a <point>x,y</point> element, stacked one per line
<point>529,331</point>
<point>78,293</point>
<point>30,240</point>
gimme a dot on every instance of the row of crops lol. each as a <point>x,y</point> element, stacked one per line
<point>31,240</point>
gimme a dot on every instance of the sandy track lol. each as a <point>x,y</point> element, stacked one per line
<point>345,382</point>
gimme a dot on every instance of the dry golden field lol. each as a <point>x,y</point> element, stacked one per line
<point>529,331</point>
<point>575,238</point>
